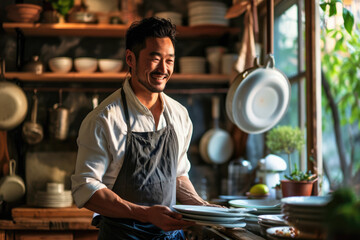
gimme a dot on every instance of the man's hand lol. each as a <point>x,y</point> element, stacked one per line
<point>167,220</point>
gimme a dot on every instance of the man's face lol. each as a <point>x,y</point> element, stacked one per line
<point>155,65</point>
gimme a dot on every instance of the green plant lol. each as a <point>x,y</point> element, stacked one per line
<point>343,213</point>
<point>287,139</point>
<point>341,88</point>
<point>62,6</point>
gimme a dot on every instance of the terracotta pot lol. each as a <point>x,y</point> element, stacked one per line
<point>296,188</point>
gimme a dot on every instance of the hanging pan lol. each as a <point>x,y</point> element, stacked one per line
<point>216,145</point>
<point>13,102</point>
<point>259,97</point>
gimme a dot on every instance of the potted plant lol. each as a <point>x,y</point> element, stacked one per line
<point>287,139</point>
<point>62,7</point>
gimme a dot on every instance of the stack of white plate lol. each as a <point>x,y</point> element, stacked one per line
<point>192,65</point>
<point>207,13</point>
<point>261,206</point>
<point>252,224</point>
<point>269,221</point>
<point>212,216</point>
<point>175,18</point>
<point>54,199</point>
<point>306,214</point>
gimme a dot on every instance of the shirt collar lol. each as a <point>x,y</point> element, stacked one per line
<point>133,100</point>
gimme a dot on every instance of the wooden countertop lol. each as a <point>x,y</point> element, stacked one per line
<point>72,218</point>
<point>69,218</point>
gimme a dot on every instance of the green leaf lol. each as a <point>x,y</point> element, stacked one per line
<point>323,6</point>
<point>348,20</point>
<point>333,9</point>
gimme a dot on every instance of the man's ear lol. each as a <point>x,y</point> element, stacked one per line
<point>130,58</point>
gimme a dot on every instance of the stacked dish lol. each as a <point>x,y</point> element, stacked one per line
<point>269,221</point>
<point>252,223</point>
<point>54,196</point>
<point>192,65</point>
<point>212,216</point>
<point>306,214</point>
<point>258,206</point>
<point>207,12</point>
<point>53,199</point>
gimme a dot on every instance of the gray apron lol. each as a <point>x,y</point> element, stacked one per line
<point>147,177</point>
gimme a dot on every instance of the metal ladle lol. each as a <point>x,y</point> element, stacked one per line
<point>32,131</point>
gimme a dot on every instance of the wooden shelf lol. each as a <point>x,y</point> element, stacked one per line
<point>108,30</point>
<point>110,77</point>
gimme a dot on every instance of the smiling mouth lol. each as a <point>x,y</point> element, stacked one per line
<point>159,76</point>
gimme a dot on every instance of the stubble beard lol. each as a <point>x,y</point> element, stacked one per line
<point>148,86</point>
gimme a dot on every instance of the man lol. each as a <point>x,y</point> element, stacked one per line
<point>132,161</point>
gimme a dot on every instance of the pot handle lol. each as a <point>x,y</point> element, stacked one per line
<point>270,62</point>
<point>35,107</point>
<point>256,64</point>
<point>215,110</point>
<point>12,167</point>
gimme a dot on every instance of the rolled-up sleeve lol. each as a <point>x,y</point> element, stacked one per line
<point>187,130</point>
<point>92,161</point>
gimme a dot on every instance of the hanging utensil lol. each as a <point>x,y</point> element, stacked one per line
<point>59,120</point>
<point>216,145</point>
<point>32,131</point>
<point>12,186</point>
<point>13,102</point>
<point>258,98</point>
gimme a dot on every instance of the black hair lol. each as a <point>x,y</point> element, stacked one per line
<point>155,27</point>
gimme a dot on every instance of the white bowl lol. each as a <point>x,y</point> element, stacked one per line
<point>110,65</point>
<point>85,64</point>
<point>60,64</point>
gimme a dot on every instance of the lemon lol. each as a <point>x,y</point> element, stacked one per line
<point>259,189</point>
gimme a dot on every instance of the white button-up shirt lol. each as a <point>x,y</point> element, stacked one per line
<point>102,137</point>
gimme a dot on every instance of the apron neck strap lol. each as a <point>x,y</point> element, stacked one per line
<point>123,97</point>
